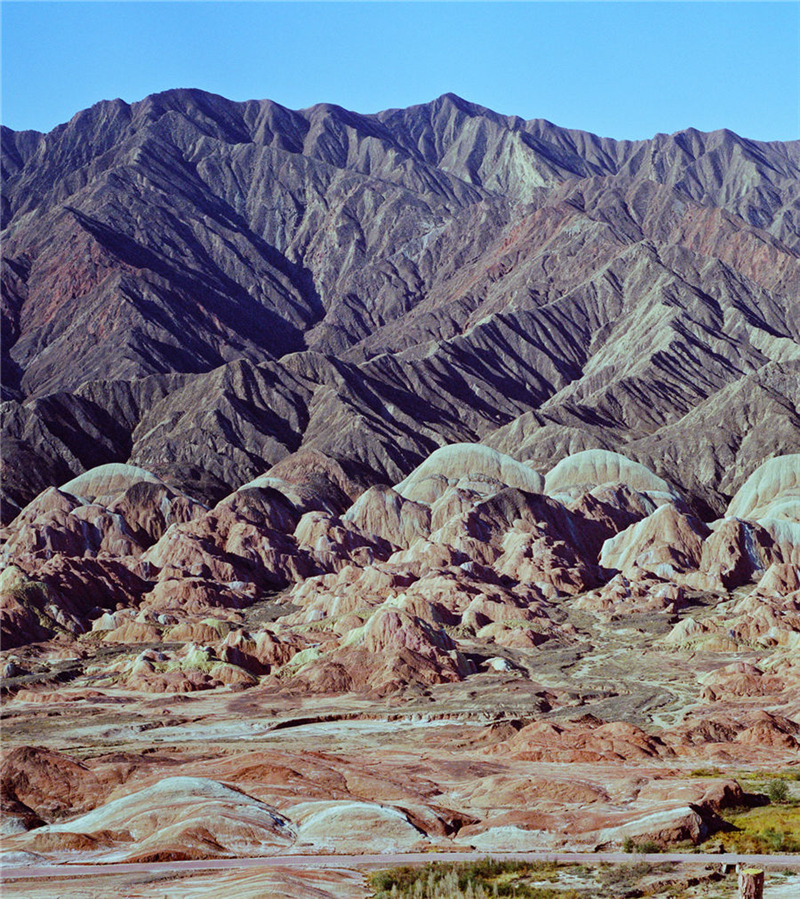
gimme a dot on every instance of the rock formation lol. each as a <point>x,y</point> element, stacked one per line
<point>377,483</point>
<point>368,288</point>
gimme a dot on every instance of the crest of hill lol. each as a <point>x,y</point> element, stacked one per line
<point>462,463</point>
<point>769,491</point>
<point>108,480</point>
<point>596,467</point>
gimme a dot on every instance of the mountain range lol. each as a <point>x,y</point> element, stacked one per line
<point>410,482</point>
<point>204,288</point>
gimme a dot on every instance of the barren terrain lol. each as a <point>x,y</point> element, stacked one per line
<point>425,482</point>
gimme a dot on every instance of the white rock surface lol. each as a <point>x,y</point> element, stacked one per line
<point>471,465</point>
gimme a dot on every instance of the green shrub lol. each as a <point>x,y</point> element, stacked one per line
<point>647,846</point>
<point>778,790</point>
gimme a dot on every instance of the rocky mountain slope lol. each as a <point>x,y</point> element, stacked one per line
<point>382,483</point>
<point>204,288</point>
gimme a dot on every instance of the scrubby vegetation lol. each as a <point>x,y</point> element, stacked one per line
<point>752,779</point>
<point>623,876</point>
<point>778,790</point>
<point>483,879</point>
<point>767,781</point>
<point>788,774</point>
<point>491,878</point>
<point>707,772</point>
<point>770,828</point>
<point>645,847</point>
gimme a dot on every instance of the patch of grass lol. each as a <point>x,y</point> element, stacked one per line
<point>645,847</point>
<point>769,828</point>
<point>788,774</point>
<point>482,879</point>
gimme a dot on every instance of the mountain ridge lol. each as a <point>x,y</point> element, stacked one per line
<point>430,478</point>
<point>467,268</point>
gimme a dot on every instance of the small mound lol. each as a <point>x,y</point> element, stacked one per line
<point>355,827</point>
<point>597,467</point>
<point>187,814</point>
<point>665,542</point>
<point>390,629</point>
<point>504,791</point>
<point>676,825</point>
<point>108,480</point>
<point>469,465</point>
<point>48,783</point>
<point>586,740</point>
<point>509,838</point>
<point>382,512</point>
<point>771,491</point>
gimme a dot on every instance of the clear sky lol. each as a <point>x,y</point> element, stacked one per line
<point>619,69</point>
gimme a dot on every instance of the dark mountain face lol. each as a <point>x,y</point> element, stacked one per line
<point>204,287</point>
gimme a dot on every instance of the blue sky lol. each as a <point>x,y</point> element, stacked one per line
<point>619,69</point>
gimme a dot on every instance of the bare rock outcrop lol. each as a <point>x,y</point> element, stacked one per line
<point>177,818</point>
<point>467,467</point>
<point>49,784</point>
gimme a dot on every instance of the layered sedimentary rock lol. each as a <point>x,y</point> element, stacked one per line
<point>384,482</point>
<point>393,589</point>
<point>204,288</point>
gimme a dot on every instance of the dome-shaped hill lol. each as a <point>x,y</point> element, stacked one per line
<point>188,815</point>
<point>108,480</point>
<point>771,491</point>
<point>469,465</point>
<point>595,467</point>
